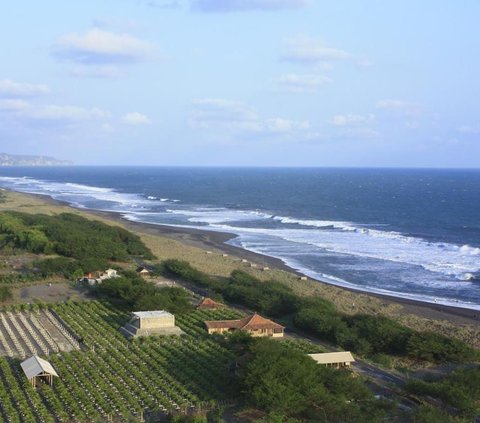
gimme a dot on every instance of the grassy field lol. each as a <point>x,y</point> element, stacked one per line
<point>216,264</point>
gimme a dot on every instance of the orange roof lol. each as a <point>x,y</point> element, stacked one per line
<point>208,303</point>
<point>253,322</point>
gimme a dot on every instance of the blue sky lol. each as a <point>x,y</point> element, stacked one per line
<point>242,82</point>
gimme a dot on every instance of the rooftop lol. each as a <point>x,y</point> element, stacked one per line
<point>333,358</point>
<point>253,322</point>
<point>151,314</point>
<point>35,366</point>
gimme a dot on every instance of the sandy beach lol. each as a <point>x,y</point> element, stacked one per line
<point>192,245</point>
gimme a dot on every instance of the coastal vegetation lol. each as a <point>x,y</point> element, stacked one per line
<point>459,389</point>
<point>137,294</point>
<point>74,244</point>
<point>69,235</point>
<point>364,334</point>
<point>290,386</point>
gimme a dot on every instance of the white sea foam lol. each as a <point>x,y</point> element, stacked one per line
<point>218,215</point>
<point>79,195</point>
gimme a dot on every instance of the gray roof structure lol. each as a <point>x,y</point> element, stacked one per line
<point>151,314</point>
<point>36,366</point>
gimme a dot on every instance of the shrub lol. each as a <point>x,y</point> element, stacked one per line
<point>5,293</point>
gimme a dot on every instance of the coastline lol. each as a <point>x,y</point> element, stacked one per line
<point>216,241</point>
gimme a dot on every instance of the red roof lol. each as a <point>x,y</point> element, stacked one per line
<point>208,303</point>
<point>253,322</point>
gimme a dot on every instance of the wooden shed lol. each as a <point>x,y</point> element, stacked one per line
<point>37,369</point>
<point>209,304</point>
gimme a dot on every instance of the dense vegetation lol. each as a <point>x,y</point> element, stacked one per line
<point>138,294</point>
<point>287,384</point>
<point>364,334</point>
<point>89,244</point>
<point>460,389</point>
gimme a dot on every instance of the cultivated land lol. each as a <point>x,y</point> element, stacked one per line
<point>192,246</point>
<point>106,377</point>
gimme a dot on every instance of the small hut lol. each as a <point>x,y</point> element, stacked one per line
<point>209,304</point>
<point>143,272</point>
<point>334,359</point>
<point>37,369</point>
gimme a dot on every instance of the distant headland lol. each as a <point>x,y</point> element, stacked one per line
<point>22,160</point>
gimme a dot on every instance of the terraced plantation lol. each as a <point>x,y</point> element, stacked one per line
<point>113,379</point>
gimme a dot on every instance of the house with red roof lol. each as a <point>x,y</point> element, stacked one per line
<point>209,304</point>
<point>255,325</point>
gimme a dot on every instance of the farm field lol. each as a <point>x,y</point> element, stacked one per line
<point>113,379</point>
<point>39,332</point>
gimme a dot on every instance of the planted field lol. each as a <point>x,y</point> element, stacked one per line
<point>114,378</point>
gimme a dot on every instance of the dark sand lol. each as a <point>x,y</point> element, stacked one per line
<point>210,240</point>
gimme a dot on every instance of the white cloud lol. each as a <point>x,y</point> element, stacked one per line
<point>13,105</point>
<point>352,120</point>
<point>233,115</point>
<point>468,129</point>
<point>135,118</point>
<point>359,133</point>
<point>97,71</point>
<point>311,51</point>
<point>285,125</point>
<point>215,112</point>
<point>9,88</point>
<point>400,107</point>
<point>243,5</point>
<point>26,111</point>
<point>64,113</point>
<point>302,83</point>
<point>98,46</point>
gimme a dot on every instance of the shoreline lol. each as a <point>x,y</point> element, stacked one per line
<point>214,240</point>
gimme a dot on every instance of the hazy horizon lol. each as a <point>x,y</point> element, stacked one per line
<point>251,83</point>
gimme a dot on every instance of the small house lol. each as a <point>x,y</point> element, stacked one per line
<point>110,273</point>
<point>209,304</point>
<point>37,369</point>
<point>334,359</point>
<point>255,325</point>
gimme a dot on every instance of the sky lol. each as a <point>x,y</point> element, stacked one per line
<point>369,83</point>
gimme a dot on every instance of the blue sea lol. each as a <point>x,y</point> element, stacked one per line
<point>406,233</point>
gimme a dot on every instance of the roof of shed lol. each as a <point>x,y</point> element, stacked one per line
<point>333,358</point>
<point>35,366</point>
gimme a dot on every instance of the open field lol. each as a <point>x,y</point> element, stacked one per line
<point>192,246</point>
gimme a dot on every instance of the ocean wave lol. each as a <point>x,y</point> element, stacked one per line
<point>442,258</point>
<point>297,264</point>
<point>218,215</point>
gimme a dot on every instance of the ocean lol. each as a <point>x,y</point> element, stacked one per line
<point>406,233</point>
